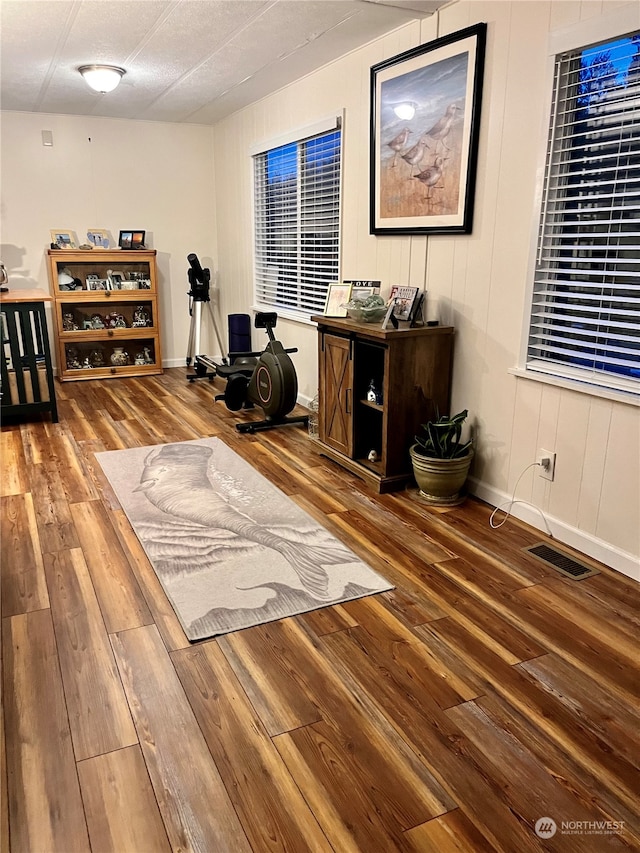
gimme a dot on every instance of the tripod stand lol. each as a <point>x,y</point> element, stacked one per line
<point>199,281</point>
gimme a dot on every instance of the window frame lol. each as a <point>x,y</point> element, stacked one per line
<point>298,136</point>
<point>579,36</point>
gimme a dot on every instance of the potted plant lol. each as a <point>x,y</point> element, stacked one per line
<point>441,460</point>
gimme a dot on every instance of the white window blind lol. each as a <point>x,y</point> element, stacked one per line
<point>585,317</point>
<point>297,222</point>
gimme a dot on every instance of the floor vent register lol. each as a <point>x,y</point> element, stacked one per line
<point>560,560</point>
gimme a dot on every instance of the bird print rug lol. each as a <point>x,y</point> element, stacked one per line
<point>230,549</point>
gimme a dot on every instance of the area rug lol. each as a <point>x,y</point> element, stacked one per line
<point>230,549</point>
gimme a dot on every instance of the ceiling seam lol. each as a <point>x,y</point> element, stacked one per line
<point>68,24</point>
<point>210,56</point>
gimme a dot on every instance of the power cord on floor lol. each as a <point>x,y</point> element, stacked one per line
<point>513,501</point>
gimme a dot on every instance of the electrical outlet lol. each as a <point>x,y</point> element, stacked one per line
<point>547,461</point>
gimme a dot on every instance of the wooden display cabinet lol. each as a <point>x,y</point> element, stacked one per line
<point>409,368</point>
<point>106,321</point>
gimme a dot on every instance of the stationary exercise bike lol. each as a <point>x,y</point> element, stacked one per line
<point>266,379</point>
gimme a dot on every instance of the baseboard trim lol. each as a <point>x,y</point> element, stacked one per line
<point>623,562</point>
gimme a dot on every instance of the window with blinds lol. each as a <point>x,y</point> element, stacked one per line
<point>585,316</point>
<point>297,223</point>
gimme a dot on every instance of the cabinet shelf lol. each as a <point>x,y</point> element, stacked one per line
<point>411,368</point>
<point>377,407</point>
<point>103,300</point>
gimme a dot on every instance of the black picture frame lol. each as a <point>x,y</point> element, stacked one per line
<point>131,239</point>
<point>425,123</point>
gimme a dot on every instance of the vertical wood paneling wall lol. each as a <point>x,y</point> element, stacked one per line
<point>476,282</point>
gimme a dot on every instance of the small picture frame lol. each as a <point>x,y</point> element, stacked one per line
<point>361,288</point>
<point>362,293</point>
<point>337,294</point>
<point>63,239</point>
<point>389,316</point>
<point>98,238</point>
<point>115,279</point>
<point>404,299</point>
<point>417,312</point>
<point>131,239</point>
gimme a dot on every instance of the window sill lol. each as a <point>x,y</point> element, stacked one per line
<point>582,387</point>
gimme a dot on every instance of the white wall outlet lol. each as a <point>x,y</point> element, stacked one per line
<point>547,462</point>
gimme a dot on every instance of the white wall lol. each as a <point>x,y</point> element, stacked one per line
<point>475,282</point>
<point>116,175</point>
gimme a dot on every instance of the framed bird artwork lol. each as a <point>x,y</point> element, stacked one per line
<point>425,121</point>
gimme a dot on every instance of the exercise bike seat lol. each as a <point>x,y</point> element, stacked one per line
<point>243,364</point>
<point>237,375</point>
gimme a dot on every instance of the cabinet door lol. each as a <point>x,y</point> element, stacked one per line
<point>336,393</point>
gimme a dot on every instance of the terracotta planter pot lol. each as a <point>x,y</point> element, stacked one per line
<point>441,480</point>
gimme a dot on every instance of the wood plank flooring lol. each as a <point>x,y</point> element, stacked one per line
<point>450,714</point>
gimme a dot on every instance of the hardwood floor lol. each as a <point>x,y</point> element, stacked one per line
<point>483,693</point>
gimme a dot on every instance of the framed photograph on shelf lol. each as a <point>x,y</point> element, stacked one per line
<point>425,120</point>
<point>389,317</point>
<point>63,239</point>
<point>417,312</point>
<point>404,298</point>
<point>361,288</point>
<point>98,238</point>
<point>337,295</point>
<point>131,239</point>
<point>115,279</point>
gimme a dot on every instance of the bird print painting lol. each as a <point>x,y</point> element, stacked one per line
<point>230,549</point>
<point>421,160</point>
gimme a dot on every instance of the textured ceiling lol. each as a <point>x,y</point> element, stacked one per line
<point>186,60</point>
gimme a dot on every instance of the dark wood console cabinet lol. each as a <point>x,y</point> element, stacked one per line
<point>411,368</point>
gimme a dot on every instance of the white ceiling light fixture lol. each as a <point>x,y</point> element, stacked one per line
<point>102,78</point>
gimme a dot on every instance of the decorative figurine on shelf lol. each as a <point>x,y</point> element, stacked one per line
<point>119,358</point>
<point>115,321</point>
<point>96,357</point>
<point>86,364</point>
<point>97,321</point>
<point>148,359</point>
<point>68,324</point>
<point>139,359</point>
<point>66,281</point>
<point>73,361</point>
<point>141,316</point>
<point>373,395</point>
<point>373,456</point>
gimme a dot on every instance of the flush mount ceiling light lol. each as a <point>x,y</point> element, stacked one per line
<point>102,78</point>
